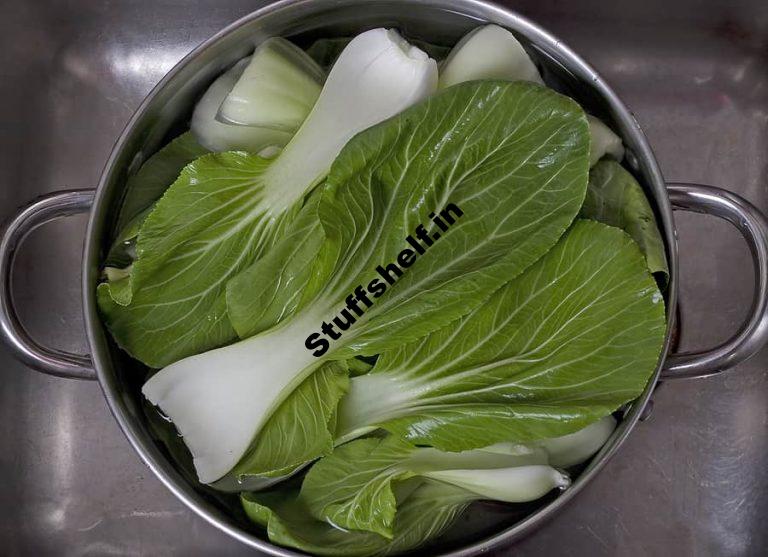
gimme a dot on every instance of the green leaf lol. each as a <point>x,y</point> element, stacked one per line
<point>298,431</point>
<point>213,222</point>
<point>156,175</point>
<point>118,265</point>
<point>353,487</point>
<point>512,156</point>
<point>614,197</point>
<point>141,191</point>
<point>426,510</point>
<point>268,291</point>
<point>566,343</point>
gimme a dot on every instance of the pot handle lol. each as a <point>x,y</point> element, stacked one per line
<point>753,334</point>
<point>40,211</point>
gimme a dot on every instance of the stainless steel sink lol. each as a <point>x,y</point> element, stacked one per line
<point>692,480</point>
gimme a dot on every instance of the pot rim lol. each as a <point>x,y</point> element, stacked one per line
<point>541,39</point>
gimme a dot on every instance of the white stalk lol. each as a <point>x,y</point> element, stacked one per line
<point>377,76</point>
<point>220,399</point>
<point>492,52</point>
<point>489,52</point>
<point>603,141</point>
<point>502,455</point>
<point>216,136</point>
<point>573,449</point>
<point>518,484</point>
<point>276,90</point>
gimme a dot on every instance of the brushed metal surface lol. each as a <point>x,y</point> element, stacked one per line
<point>691,480</point>
<point>41,211</point>
<point>750,338</point>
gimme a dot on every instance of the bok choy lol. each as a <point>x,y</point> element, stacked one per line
<point>489,52</point>
<point>568,342</point>
<point>408,292</point>
<point>379,496</point>
<point>219,136</point>
<point>276,90</point>
<point>226,210</point>
<point>354,488</point>
<point>513,156</point>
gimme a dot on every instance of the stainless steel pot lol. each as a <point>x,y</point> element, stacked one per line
<point>166,111</point>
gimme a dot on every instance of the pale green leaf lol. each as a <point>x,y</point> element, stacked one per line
<point>512,156</point>
<point>276,90</point>
<point>614,197</point>
<point>353,487</point>
<point>426,510</point>
<point>298,431</point>
<point>156,175</point>
<point>212,223</point>
<point>268,291</point>
<point>568,342</point>
<point>142,189</point>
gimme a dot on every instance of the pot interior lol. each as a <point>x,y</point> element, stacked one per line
<point>166,113</point>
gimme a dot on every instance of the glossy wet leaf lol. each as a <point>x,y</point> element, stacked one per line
<point>354,487</point>
<point>616,198</point>
<point>156,175</point>
<point>512,156</point>
<point>425,511</point>
<point>568,342</point>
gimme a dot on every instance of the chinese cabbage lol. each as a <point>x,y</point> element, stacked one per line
<point>276,89</point>
<point>226,210</point>
<point>513,156</point>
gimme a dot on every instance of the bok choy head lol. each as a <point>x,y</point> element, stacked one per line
<point>276,90</point>
<point>489,52</point>
<point>425,510</point>
<point>382,495</point>
<point>226,210</point>
<point>513,156</point>
<point>220,136</point>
